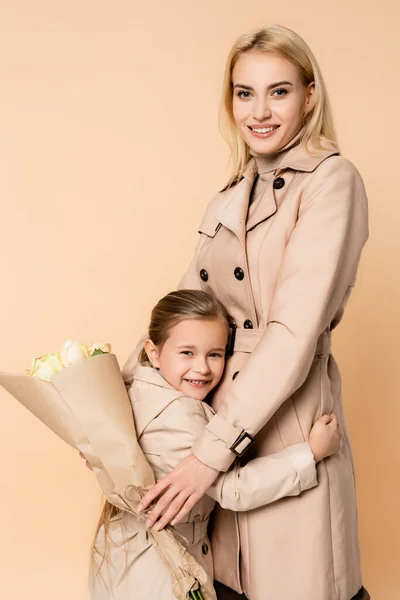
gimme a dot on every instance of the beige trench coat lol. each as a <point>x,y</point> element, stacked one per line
<point>285,275</point>
<point>167,425</point>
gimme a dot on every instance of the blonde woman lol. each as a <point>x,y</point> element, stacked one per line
<point>280,247</point>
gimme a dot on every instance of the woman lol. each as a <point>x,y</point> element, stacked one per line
<point>280,247</point>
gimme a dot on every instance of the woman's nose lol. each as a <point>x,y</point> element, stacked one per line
<point>261,110</point>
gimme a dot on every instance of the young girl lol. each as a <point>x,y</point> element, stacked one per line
<point>182,361</point>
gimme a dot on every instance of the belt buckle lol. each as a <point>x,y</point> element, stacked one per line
<point>231,344</point>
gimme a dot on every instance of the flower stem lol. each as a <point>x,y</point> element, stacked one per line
<point>195,595</point>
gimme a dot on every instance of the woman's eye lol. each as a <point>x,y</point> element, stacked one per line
<point>280,92</point>
<point>243,94</point>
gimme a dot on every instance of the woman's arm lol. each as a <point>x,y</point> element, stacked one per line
<point>261,481</point>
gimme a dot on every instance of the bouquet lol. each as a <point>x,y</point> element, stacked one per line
<point>79,393</point>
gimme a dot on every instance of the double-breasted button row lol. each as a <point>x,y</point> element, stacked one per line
<point>248,324</point>
<point>238,272</point>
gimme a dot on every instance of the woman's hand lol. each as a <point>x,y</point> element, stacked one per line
<point>89,466</point>
<point>324,437</point>
<point>180,490</point>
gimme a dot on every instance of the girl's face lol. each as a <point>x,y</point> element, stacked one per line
<point>192,359</point>
<point>269,100</point>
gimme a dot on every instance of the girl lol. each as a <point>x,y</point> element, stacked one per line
<point>181,363</point>
<point>280,247</point>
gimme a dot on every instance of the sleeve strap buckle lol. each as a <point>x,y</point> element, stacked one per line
<point>242,444</point>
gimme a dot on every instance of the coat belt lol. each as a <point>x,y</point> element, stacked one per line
<point>246,340</point>
<point>195,531</point>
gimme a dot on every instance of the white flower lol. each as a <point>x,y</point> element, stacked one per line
<point>46,366</point>
<point>72,352</point>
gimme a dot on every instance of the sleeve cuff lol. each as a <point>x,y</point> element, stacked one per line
<point>303,461</point>
<point>213,446</point>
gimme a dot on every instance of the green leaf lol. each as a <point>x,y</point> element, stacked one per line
<point>98,351</point>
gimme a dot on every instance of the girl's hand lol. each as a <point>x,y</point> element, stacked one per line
<point>87,464</point>
<point>324,437</point>
<point>179,491</point>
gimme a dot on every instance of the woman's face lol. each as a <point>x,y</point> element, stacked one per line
<point>192,358</point>
<point>269,100</point>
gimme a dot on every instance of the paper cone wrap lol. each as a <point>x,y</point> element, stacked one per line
<point>88,407</point>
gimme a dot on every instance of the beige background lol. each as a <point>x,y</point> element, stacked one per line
<point>109,149</point>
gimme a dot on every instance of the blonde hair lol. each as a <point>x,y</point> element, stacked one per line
<point>169,311</point>
<point>318,123</point>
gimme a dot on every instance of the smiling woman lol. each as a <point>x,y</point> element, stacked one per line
<point>280,247</point>
<point>268,115</point>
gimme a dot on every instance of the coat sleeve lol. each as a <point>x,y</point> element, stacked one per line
<point>319,267</point>
<point>261,481</point>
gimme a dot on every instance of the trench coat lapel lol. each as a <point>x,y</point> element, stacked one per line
<point>233,214</point>
<point>297,159</point>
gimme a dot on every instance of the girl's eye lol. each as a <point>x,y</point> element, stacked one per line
<point>243,94</point>
<point>216,355</point>
<point>186,352</point>
<point>280,92</point>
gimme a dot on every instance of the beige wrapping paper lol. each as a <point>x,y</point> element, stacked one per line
<point>87,406</point>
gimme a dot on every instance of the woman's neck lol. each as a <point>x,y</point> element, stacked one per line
<point>269,162</point>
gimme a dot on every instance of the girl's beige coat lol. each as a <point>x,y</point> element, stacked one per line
<point>167,425</point>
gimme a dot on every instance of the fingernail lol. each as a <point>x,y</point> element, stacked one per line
<point>173,522</point>
<point>139,508</point>
<point>157,526</point>
<point>148,523</point>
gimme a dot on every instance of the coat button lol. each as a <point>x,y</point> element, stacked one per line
<point>239,273</point>
<point>279,183</point>
<point>204,548</point>
<point>235,375</point>
<point>204,275</point>
<point>248,324</point>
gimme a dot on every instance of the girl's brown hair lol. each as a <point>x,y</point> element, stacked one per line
<point>318,123</point>
<point>169,311</point>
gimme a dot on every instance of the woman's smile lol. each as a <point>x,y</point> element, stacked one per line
<point>263,132</point>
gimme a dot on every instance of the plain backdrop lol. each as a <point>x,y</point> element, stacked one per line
<point>109,153</point>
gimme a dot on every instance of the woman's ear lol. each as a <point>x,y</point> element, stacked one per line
<point>310,98</point>
<point>152,353</point>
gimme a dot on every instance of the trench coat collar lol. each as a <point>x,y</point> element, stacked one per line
<point>233,212</point>
<point>154,399</point>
